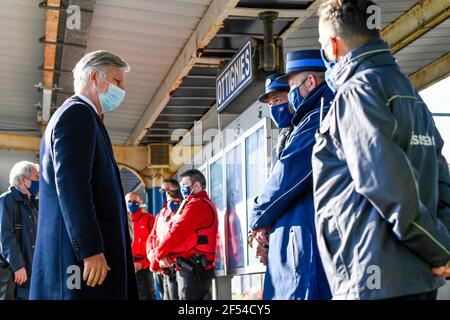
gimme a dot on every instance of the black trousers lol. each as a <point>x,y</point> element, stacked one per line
<point>145,284</point>
<point>170,287</point>
<point>190,288</point>
<point>7,285</point>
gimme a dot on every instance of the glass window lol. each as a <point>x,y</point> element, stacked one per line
<point>247,287</point>
<point>255,164</point>
<point>236,213</point>
<point>216,187</point>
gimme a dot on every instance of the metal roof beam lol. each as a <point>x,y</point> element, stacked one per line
<point>51,36</point>
<point>432,73</point>
<point>131,156</point>
<point>418,20</point>
<point>308,12</point>
<point>254,12</point>
<point>208,26</point>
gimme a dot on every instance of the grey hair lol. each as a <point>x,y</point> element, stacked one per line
<point>99,61</point>
<point>22,168</point>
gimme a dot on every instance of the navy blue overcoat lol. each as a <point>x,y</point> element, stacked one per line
<point>82,209</point>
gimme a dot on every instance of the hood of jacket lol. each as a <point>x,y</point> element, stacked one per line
<point>372,54</point>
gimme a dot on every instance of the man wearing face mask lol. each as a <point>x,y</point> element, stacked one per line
<point>83,248</point>
<point>191,240</point>
<point>143,222</point>
<point>166,276</point>
<point>381,183</point>
<point>281,112</point>
<point>285,207</point>
<point>18,222</point>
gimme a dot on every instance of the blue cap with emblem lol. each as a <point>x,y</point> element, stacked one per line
<point>302,60</point>
<point>273,85</point>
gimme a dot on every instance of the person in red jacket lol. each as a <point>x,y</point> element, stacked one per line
<point>142,226</point>
<point>166,277</point>
<point>191,240</point>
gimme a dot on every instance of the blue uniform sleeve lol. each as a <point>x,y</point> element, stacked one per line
<point>10,249</point>
<point>291,175</point>
<point>73,151</point>
<point>382,172</point>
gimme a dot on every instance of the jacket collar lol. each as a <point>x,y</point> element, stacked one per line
<point>17,194</point>
<point>368,55</point>
<point>201,194</point>
<point>312,101</point>
<point>137,215</point>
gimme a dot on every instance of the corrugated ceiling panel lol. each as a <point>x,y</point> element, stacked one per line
<point>426,49</point>
<point>22,23</point>
<point>307,36</point>
<point>149,35</point>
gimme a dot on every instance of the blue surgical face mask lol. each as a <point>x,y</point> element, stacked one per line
<point>34,188</point>
<point>295,98</point>
<point>173,206</point>
<point>111,99</point>
<point>186,191</point>
<point>133,207</point>
<point>281,115</point>
<point>329,65</point>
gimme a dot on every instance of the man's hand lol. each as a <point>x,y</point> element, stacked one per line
<point>260,235</point>
<point>137,266</point>
<point>261,254</point>
<point>20,276</point>
<point>95,270</point>
<point>165,262</point>
<point>442,271</point>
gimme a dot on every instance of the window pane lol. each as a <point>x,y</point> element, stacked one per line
<point>442,124</point>
<point>437,97</point>
<point>255,157</point>
<point>235,209</point>
<point>216,187</point>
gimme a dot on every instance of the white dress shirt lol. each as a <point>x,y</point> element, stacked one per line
<point>89,102</point>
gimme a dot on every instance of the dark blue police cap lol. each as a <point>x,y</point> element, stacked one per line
<point>273,85</point>
<point>302,60</point>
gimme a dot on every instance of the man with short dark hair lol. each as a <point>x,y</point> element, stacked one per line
<point>381,184</point>
<point>191,240</point>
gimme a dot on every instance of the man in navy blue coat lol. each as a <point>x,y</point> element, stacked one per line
<point>83,246</point>
<point>285,208</point>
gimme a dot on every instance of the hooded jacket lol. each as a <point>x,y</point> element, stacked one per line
<point>381,184</point>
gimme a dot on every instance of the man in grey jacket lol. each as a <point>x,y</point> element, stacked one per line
<point>381,184</point>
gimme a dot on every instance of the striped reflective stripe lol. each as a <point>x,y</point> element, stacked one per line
<point>401,97</point>
<point>431,237</point>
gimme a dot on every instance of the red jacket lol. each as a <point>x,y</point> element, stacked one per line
<point>193,231</point>
<point>159,231</point>
<point>143,224</point>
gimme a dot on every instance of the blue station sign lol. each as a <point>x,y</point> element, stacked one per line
<point>235,77</point>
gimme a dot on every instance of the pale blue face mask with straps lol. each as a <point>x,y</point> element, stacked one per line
<point>112,98</point>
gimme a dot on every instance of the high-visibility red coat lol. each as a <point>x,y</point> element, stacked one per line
<point>143,224</point>
<point>193,231</point>
<point>159,231</point>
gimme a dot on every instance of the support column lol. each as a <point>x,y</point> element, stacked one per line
<point>154,198</point>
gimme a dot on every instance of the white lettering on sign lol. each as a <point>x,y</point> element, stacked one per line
<point>236,75</point>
